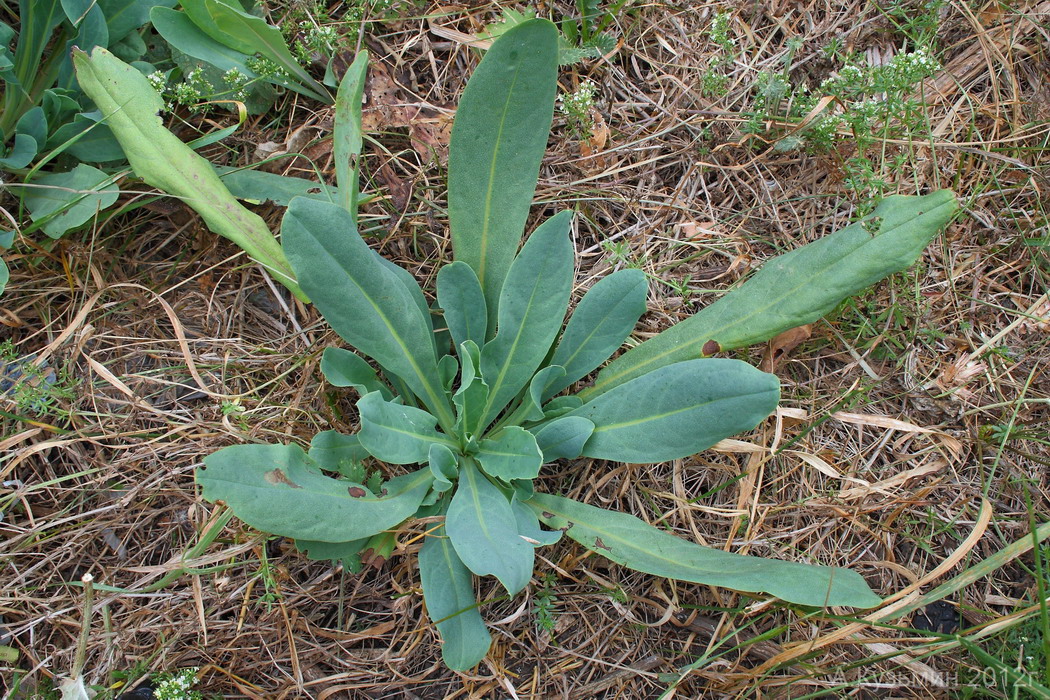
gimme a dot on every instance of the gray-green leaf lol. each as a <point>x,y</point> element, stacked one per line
<point>448,590</point>
<point>794,288</point>
<point>335,452</point>
<point>564,438</point>
<point>511,454</point>
<point>498,139</point>
<point>532,307</point>
<point>463,303</point>
<point>344,368</point>
<point>601,322</point>
<point>68,200</point>
<point>396,433</point>
<point>365,302</point>
<point>484,531</point>
<point>626,540</point>
<point>678,410</point>
<point>278,489</point>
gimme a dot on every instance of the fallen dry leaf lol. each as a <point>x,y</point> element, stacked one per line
<point>780,346</point>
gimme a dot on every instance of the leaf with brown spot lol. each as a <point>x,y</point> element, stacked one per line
<point>276,476</point>
<point>601,545</point>
<point>357,492</point>
<point>710,348</point>
<point>254,481</point>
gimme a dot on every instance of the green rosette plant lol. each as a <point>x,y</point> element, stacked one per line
<point>474,388</point>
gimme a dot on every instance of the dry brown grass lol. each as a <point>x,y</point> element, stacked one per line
<point>877,460</point>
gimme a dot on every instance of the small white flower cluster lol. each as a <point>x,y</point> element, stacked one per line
<point>719,31</point>
<point>177,686</point>
<point>577,106</point>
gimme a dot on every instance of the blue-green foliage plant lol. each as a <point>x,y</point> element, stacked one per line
<point>476,392</point>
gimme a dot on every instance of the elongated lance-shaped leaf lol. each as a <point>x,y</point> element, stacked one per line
<point>344,368</point>
<point>601,322</point>
<point>484,531</point>
<point>629,541</point>
<point>678,410</point>
<point>132,110</point>
<point>532,307</point>
<point>531,407</point>
<point>278,489</point>
<point>411,287</point>
<point>396,433</point>
<point>462,303</point>
<point>510,454</point>
<point>498,139</point>
<point>366,303</point>
<point>794,288</point>
<point>448,590</point>
<point>347,139</point>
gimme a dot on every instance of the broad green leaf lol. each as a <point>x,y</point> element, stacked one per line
<point>5,276</point>
<point>22,152</point>
<point>564,438</point>
<point>529,526</point>
<point>532,307</point>
<point>678,410</point>
<point>601,322</point>
<point>364,301</point>
<point>411,287</point>
<point>448,590</point>
<point>347,139</point>
<point>794,288</point>
<point>124,16</point>
<point>498,139</point>
<point>68,200</point>
<point>59,106</point>
<point>343,368</point>
<point>395,433</point>
<point>132,110</point>
<point>87,139</point>
<point>462,303</point>
<point>178,30</point>
<point>258,186</point>
<point>336,452</point>
<point>346,553</point>
<point>629,541</point>
<point>484,531</point>
<point>250,35</point>
<point>34,123</point>
<point>278,489</point>
<point>510,454</point>
<point>91,32</point>
<point>444,466</point>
